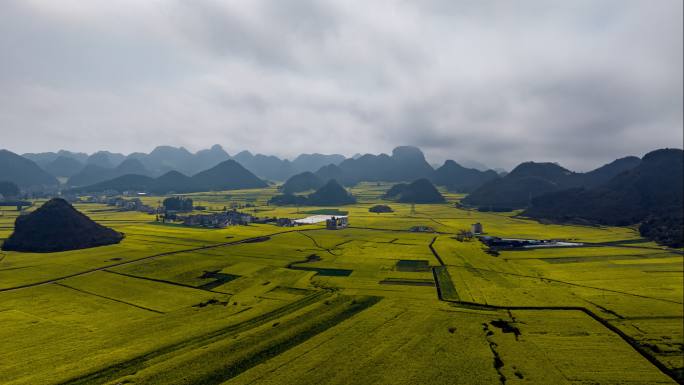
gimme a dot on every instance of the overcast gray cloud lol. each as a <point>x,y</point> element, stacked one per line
<point>577,82</point>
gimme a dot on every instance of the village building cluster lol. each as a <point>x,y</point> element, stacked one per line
<point>219,220</point>
<point>134,204</point>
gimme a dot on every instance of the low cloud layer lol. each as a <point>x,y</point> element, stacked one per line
<point>500,82</point>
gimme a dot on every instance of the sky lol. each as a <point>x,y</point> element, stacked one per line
<point>577,82</point>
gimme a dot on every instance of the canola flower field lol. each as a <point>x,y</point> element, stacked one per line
<point>262,304</point>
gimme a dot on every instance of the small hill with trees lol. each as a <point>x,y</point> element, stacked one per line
<point>330,194</point>
<point>333,171</point>
<point>395,191</point>
<point>421,191</point>
<point>58,226</point>
<point>178,204</point>
<point>380,209</point>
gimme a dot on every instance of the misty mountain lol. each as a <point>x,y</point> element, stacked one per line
<point>63,166</point>
<point>92,174</point>
<point>8,190</point>
<point>457,178</point>
<point>313,162</point>
<point>227,175</point>
<point>172,181</point>
<point>268,167</point>
<point>406,163</point>
<point>131,166</point>
<point>127,182</point>
<point>23,172</point>
<point>105,159</point>
<point>469,163</point>
<point>166,158</point>
<point>652,192</point>
<point>332,171</point>
<point>205,159</point>
<point>40,158</point>
<point>530,179</point>
<point>44,158</point>
<point>163,159</point>
<point>604,173</point>
<point>302,182</point>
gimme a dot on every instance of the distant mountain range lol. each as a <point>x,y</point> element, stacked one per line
<point>406,163</point>
<point>23,172</point>
<point>227,175</point>
<point>529,180</point>
<point>167,158</point>
<point>652,193</point>
<point>628,190</point>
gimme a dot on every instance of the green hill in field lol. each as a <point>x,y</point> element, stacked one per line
<point>302,182</point>
<point>331,194</point>
<point>57,226</point>
<point>419,191</point>
<point>395,191</point>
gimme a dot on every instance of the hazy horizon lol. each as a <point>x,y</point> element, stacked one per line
<point>467,162</point>
<point>579,83</point>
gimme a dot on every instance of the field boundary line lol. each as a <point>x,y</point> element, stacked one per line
<point>53,280</point>
<point>434,252</point>
<point>108,298</point>
<point>624,336</point>
<point>567,283</point>
<point>162,281</point>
